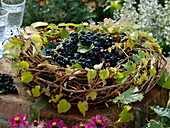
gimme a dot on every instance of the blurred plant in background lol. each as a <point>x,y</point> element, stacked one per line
<point>151,16</point>
<point>57,11</point>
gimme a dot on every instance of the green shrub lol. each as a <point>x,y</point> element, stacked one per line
<point>57,11</point>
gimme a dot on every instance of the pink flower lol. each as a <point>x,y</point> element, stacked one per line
<point>56,123</point>
<point>37,124</point>
<point>18,121</point>
<point>98,122</point>
<point>81,125</point>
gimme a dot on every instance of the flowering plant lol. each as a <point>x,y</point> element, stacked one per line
<point>19,121</point>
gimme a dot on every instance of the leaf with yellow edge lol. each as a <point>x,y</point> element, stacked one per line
<point>36,38</point>
<point>56,98</point>
<point>83,107</point>
<point>26,77</point>
<point>91,74</point>
<point>63,106</point>
<point>36,91</point>
<point>24,64</point>
<point>8,46</point>
<point>92,95</point>
<point>104,74</point>
<point>30,29</point>
<point>39,24</point>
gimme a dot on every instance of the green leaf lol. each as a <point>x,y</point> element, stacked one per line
<point>164,80</point>
<point>130,44</point>
<point>167,83</point>
<point>36,106</point>
<point>134,35</point>
<point>63,106</point>
<point>46,91</point>
<point>142,77</point>
<point>161,111</point>
<point>68,71</point>
<point>24,64</point>
<point>16,41</point>
<point>118,75</point>
<point>83,107</point>
<point>36,91</point>
<point>124,78</point>
<point>64,34</point>
<point>2,90</point>
<point>98,66</point>
<point>152,72</point>
<point>137,58</point>
<point>36,38</point>
<point>129,96</point>
<point>129,66</point>
<point>39,24</point>
<point>26,46</point>
<point>26,77</point>
<point>51,45</point>
<point>56,98</point>
<point>104,74</point>
<point>125,116</point>
<point>31,29</point>
<point>154,124</point>
<point>93,95</point>
<point>76,66</point>
<point>83,49</point>
<point>8,46</point>
<point>91,74</point>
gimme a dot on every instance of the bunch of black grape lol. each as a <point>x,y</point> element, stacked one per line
<point>6,84</point>
<point>68,53</point>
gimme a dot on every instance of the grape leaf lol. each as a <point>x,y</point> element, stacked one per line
<point>161,111</point>
<point>26,77</point>
<point>68,71</point>
<point>137,58</point>
<point>56,98</point>
<point>38,24</point>
<point>26,46</point>
<point>64,34</point>
<point>130,44</point>
<point>92,95</point>
<point>91,74</point>
<point>124,78</point>
<point>24,64</point>
<point>63,106</point>
<point>83,107</point>
<point>98,66</point>
<point>104,74</point>
<point>164,80</point>
<point>36,39</point>
<point>46,91</point>
<point>125,116</point>
<point>134,35</point>
<point>129,66</point>
<point>154,124</point>
<point>16,41</point>
<point>31,29</point>
<point>128,96</point>
<point>76,66</point>
<point>83,49</point>
<point>119,75</point>
<point>36,91</point>
<point>152,72</point>
<point>8,46</point>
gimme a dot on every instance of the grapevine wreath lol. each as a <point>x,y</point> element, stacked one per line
<point>85,63</point>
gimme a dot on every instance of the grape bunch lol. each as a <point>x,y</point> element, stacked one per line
<point>6,84</point>
<point>97,44</point>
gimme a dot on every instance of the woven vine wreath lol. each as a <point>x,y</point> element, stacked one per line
<point>86,63</point>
